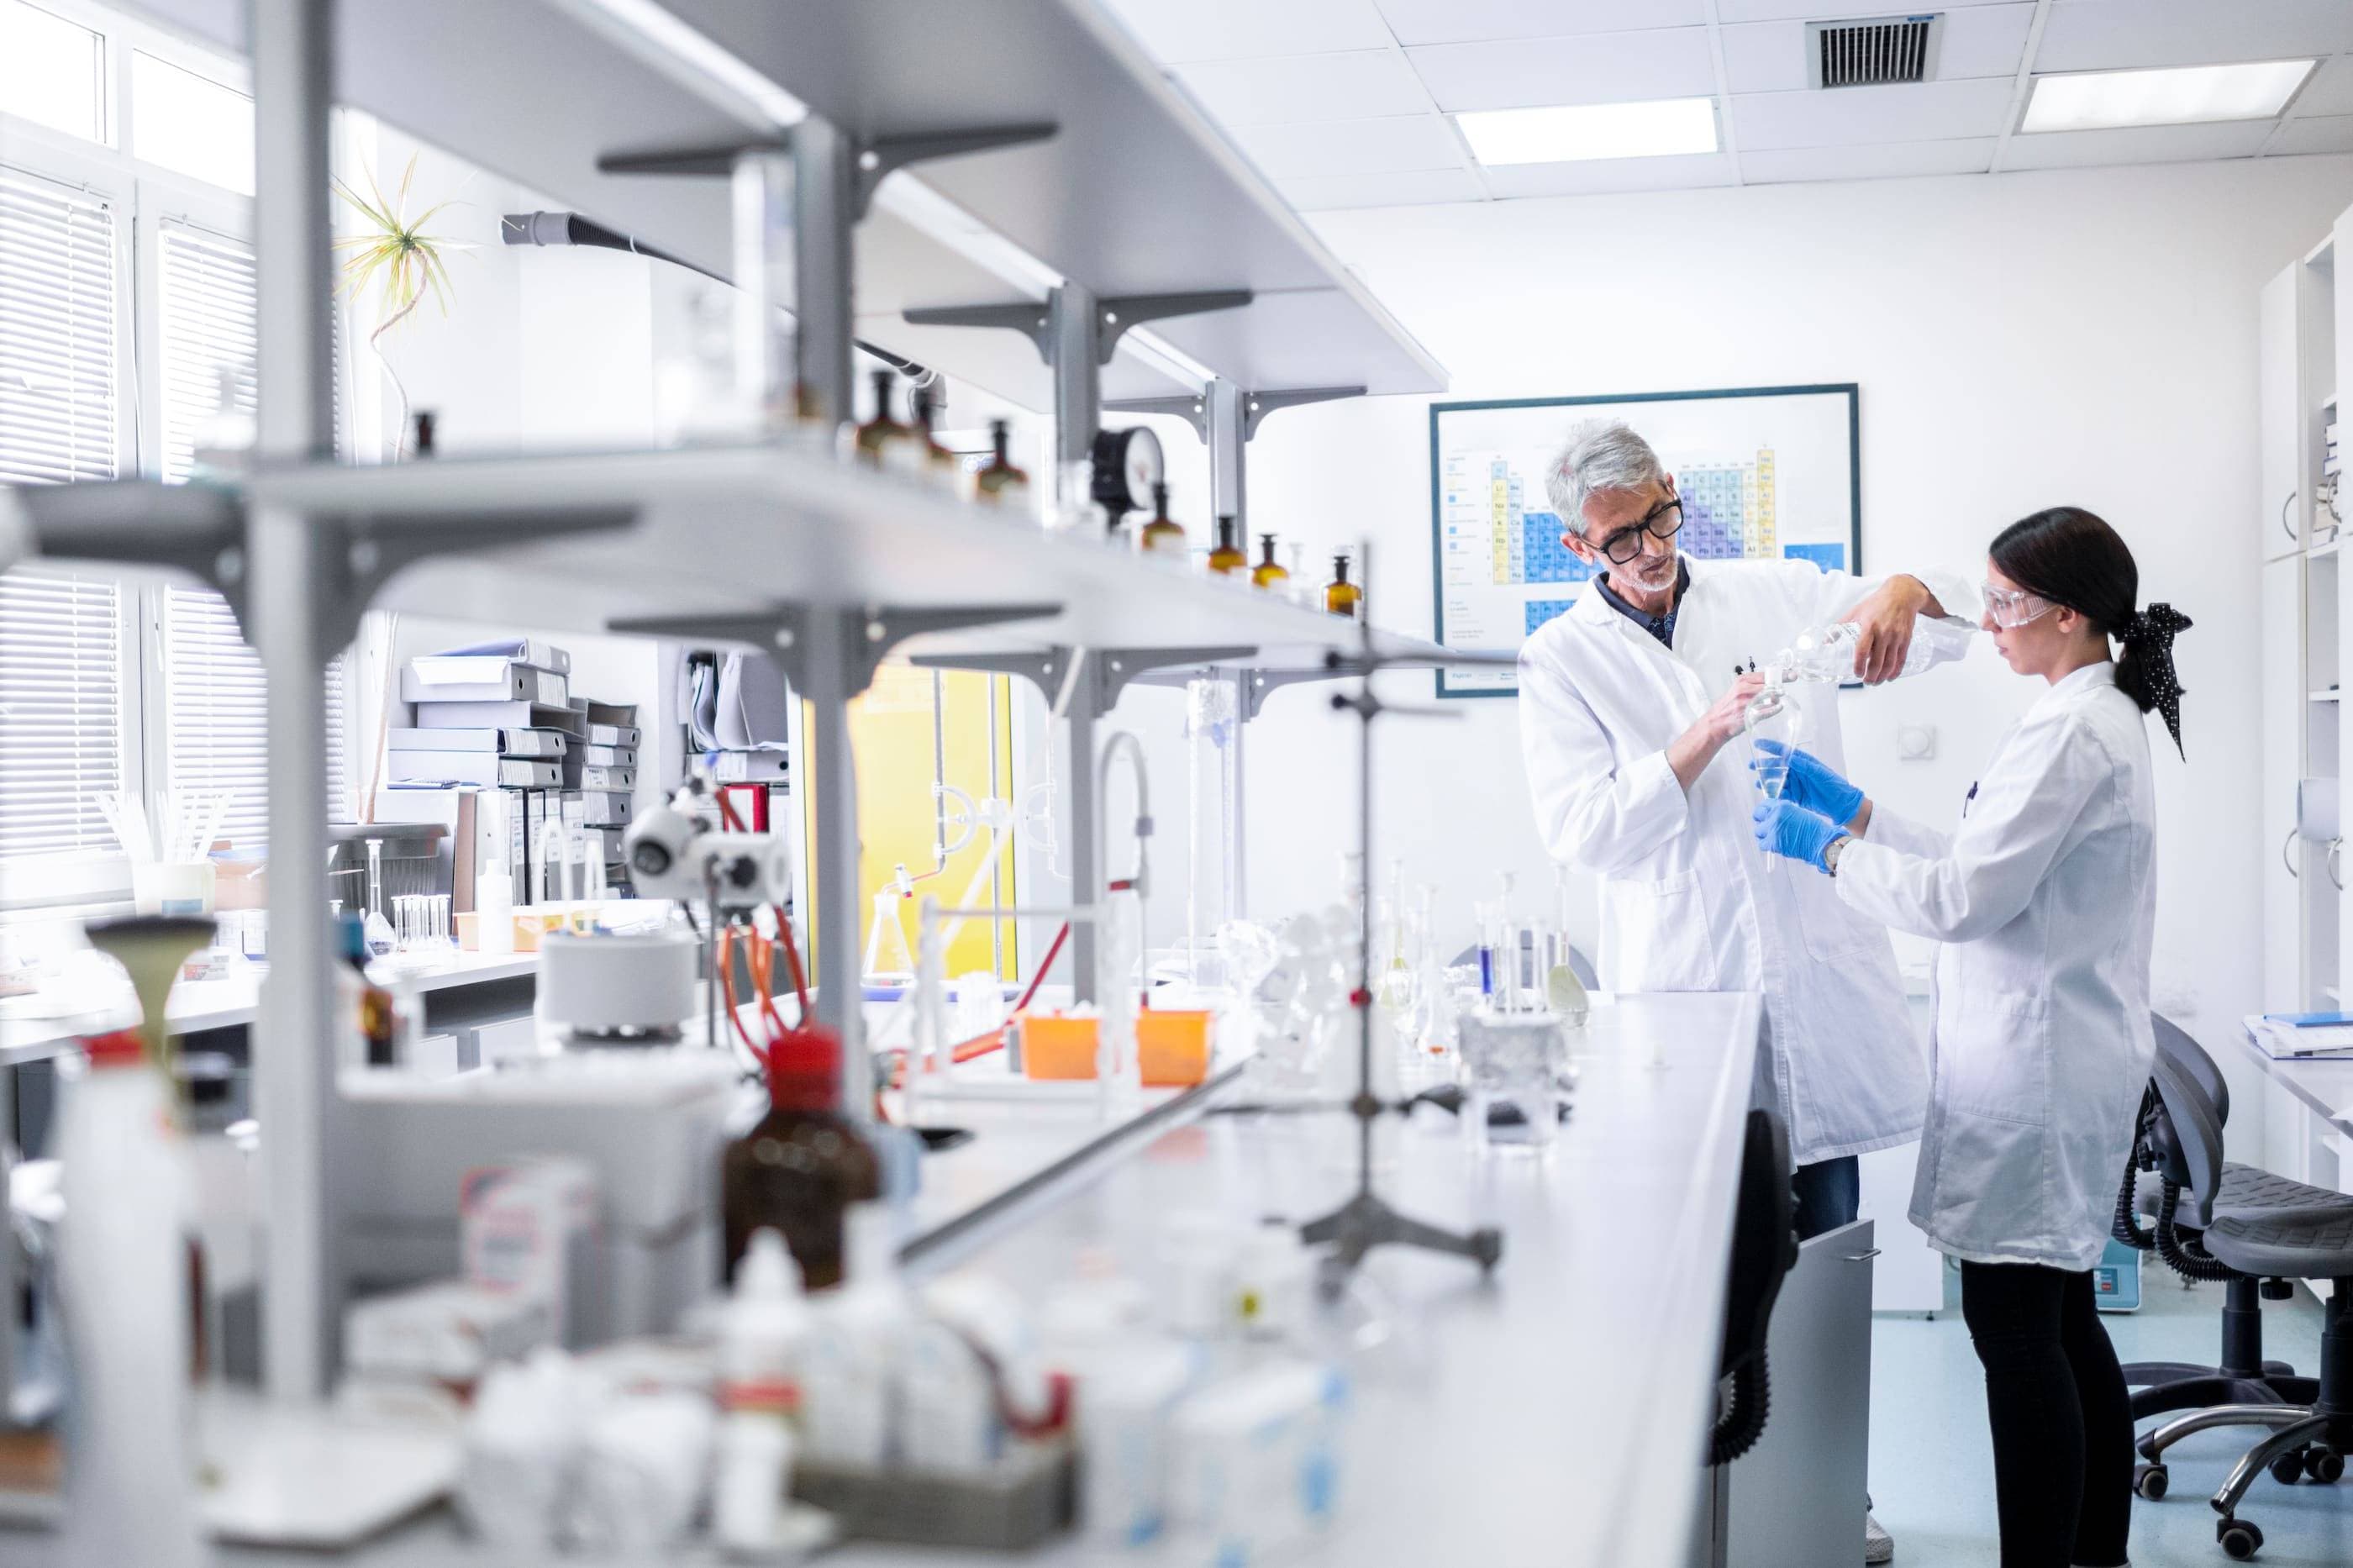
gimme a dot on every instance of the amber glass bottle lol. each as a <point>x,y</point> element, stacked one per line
<point>1228,558</point>
<point>879,436</point>
<point>802,1165</point>
<point>1000,482</point>
<point>1342,597</point>
<point>1161,536</point>
<point>1269,572</point>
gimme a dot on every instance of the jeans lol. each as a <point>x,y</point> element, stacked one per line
<point>1829,1193</point>
<point>2062,1428</point>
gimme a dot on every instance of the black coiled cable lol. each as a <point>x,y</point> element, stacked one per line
<point>2188,1259</point>
<point>1744,1413</point>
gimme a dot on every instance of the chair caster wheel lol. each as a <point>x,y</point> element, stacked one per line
<point>2241,1540</point>
<point>2288,1468</point>
<point>2323,1463</point>
<point>2150,1481</point>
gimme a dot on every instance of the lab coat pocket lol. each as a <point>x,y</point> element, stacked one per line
<point>1993,1058</point>
<point>1831,930</point>
<point>1662,939</point>
<point>1989,1183</point>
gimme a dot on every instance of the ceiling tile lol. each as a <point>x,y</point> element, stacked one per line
<point>2108,35</point>
<point>1352,146</point>
<point>2330,90</point>
<point>2321,134</point>
<point>1354,86</point>
<point>1764,57</point>
<point>1729,11</point>
<point>1966,155</point>
<point>1418,187</point>
<point>1176,31</point>
<point>1458,21</point>
<point>1604,174</point>
<point>1983,40</point>
<point>1918,111</point>
<point>2135,144</point>
<point>1606,67</point>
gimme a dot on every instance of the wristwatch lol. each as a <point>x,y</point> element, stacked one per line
<point>1833,849</point>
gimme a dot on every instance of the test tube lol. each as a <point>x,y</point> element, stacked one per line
<point>1484,916</point>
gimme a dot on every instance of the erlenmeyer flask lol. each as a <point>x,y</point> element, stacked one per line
<point>888,960</point>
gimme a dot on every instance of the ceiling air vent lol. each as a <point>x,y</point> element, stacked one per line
<point>1872,51</point>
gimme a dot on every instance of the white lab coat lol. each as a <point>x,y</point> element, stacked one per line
<point>2045,898</point>
<point>1687,903</point>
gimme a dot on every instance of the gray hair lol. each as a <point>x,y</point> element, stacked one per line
<point>1600,455</point>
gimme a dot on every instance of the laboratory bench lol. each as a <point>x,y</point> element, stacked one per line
<point>1558,1412</point>
<point>2323,1086</point>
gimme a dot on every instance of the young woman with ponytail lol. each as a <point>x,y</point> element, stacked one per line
<point>2045,898</point>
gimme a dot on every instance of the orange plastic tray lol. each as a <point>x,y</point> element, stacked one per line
<point>1172,1046</point>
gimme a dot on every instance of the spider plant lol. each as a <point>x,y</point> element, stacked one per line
<point>394,255</point>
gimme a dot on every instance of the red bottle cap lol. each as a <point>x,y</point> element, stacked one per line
<point>115,1049</point>
<point>805,1069</point>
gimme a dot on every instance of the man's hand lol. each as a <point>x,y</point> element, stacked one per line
<point>1887,619</point>
<point>1691,751</point>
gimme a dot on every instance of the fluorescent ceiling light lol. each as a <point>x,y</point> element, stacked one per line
<point>2178,95</point>
<point>1574,132</point>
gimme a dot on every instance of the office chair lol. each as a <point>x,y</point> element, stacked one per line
<point>2311,1435</point>
<point>2243,1378</point>
<point>1764,1250</point>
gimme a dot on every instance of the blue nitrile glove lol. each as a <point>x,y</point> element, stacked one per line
<point>1813,783</point>
<point>1791,830</point>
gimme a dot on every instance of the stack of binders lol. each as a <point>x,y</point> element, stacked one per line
<point>600,775</point>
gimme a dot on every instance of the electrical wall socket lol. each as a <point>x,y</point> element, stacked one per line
<point>1915,742</point>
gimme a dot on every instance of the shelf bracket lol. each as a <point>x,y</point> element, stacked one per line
<point>196,529</point>
<point>799,196</point>
<point>1226,417</point>
<point>784,632</point>
<point>1103,674</point>
<point>1109,323</point>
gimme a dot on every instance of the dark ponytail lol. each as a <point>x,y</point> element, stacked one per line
<point>2072,558</point>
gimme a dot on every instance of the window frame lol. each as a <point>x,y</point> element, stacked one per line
<point>142,195</point>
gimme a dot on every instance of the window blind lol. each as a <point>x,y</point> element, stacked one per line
<point>208,326</point>
<point>60,713</point>
<point>58,409</point>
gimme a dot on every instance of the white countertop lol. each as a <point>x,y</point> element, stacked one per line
<point>2326,1086</point>
<point>1556,1415</point>
<point>46,1021</point>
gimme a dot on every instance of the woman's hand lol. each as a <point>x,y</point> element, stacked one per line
<point>1795,832</point>
<point>1813,784</point>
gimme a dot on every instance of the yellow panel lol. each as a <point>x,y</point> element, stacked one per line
<point>891,728</point>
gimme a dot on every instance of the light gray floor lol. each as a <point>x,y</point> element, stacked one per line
<point>1931,1457</point>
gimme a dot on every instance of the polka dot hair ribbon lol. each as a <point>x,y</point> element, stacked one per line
<point>2150,633</point>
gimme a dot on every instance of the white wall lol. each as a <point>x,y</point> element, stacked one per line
<point>2085,337</point>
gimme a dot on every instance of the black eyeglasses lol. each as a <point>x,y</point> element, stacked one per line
<point>1663,520</point>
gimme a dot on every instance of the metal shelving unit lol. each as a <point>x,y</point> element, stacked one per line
<point>1138,206</point>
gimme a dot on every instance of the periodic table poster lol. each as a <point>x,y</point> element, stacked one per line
<point>1765,473</point>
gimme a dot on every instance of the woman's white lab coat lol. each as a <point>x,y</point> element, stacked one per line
<point>1687,902</point>
<point>2045,898</point>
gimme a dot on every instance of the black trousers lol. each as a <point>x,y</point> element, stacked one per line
<point>2063,1429</point>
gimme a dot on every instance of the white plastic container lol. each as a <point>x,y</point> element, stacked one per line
<point>856,1336</point>
<point>760,1342</point>
<point>122,1272</point>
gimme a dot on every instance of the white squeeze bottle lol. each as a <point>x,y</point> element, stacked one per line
<point>122,1271</point>
<point>760,1340</point>
<point>494,888</point>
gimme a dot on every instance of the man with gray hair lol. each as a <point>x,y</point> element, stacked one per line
<point>1627,703</point>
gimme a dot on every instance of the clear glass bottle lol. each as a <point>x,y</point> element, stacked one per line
<point>999,483</point>
<point>1162,536</point>
<point>381,937</point>
<point>1229,558</point>
<point>1269,572</point>
<point>799,1169</point>
<point>1342,597</point>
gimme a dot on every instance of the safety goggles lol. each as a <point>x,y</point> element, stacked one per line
<point>1663,520</point>
<point>2012,607</point>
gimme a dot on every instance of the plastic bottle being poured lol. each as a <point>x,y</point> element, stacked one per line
<point>1819,654</point>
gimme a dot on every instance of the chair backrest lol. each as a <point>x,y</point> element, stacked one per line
<point>2195,1126</point>
<point>2190,1057</point>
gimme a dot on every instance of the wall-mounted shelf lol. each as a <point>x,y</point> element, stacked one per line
<point>2330,695</point>
<point>1136,195</point>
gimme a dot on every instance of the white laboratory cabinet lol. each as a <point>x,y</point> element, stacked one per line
<point>2307,944</point>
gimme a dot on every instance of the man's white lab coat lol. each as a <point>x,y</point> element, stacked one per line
<point>2045,898</point>
<point>1687,902</point>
